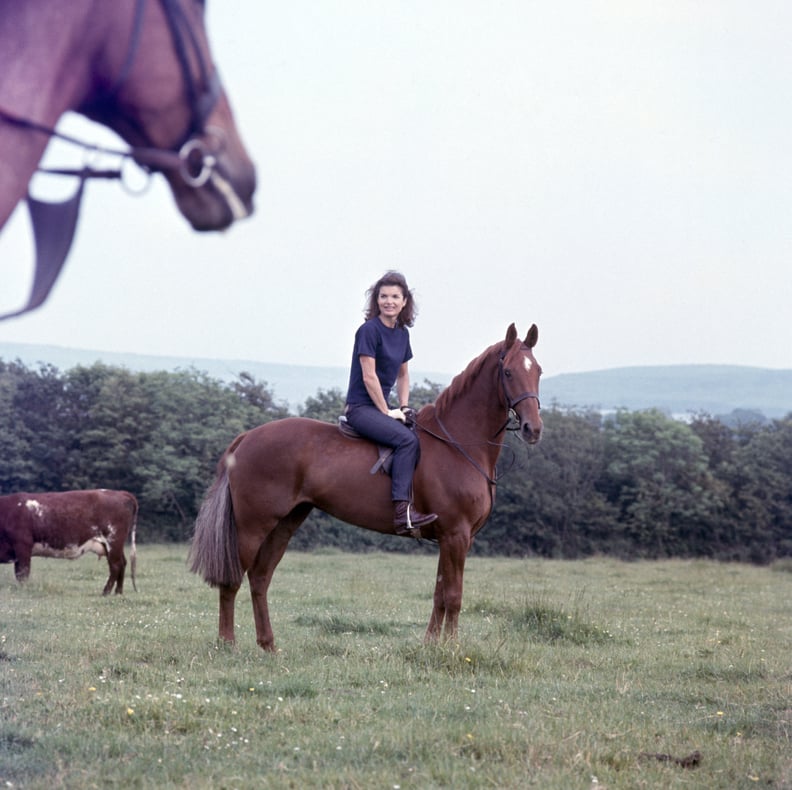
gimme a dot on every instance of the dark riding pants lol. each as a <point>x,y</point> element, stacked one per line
<point>373,424</point>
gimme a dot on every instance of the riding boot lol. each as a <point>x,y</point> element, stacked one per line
<point>407,520</point>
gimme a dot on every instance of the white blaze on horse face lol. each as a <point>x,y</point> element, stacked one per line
<point>528,364</point>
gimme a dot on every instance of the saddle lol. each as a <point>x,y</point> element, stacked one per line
<point>385,459</point>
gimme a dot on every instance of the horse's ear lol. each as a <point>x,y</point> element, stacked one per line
<point>511,335</point>
<point>532,336</point>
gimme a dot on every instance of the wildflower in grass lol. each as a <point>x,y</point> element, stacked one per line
<point>130,711</point>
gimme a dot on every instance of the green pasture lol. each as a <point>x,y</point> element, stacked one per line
<point>588,674</point>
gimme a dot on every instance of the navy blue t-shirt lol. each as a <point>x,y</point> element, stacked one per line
<point>390,349</point>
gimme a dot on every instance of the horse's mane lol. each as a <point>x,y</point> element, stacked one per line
<point>462,382</point>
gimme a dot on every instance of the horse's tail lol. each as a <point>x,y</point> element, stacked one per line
<point>214,553</point>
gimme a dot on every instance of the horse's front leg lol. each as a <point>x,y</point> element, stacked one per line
<point>227,600</point>
<point>448,587</point>
<point>435,627</point>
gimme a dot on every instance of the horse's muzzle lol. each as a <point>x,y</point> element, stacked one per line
<point>225,197</point>
<point>531,433</point>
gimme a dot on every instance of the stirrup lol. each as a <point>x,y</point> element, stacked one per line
<point>408,530</point>
<point>413,529</point>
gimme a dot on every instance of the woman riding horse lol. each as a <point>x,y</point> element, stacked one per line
<point>379,360</point>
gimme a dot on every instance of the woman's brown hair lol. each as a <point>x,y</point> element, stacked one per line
<point>408,314</point>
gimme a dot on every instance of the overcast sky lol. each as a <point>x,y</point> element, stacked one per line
<point>618,172</point>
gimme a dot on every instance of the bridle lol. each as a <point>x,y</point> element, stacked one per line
<point>202,102</point>
<point>510,403</point>
<point>503,376</point>
<point>192,157</point>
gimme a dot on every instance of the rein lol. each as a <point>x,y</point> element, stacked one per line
<point>150,159</point>
<point>192,157</point>
<point>449,440</point>
<point>510,404</point>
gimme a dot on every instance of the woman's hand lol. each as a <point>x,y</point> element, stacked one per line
<point>397,414</point>
<point>410,415</point>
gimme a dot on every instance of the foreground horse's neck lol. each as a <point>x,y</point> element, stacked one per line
<point>471,407</point>
<point>58,50</point>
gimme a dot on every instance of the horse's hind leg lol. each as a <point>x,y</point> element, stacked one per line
<point>260,573</point>
<point>227,599</point>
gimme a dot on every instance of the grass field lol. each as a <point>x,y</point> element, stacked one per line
<point>566,675</point>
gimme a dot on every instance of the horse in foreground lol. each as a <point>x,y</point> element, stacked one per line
<point>270,478</point>
<point>143,68</point>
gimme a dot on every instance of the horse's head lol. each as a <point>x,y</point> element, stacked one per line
<point>155,84</point>
<point>519,382</point>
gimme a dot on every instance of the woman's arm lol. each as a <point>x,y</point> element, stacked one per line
<point>373,387</point>
<point>403,385</point>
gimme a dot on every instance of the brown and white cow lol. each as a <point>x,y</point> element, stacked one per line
<point>68,524</point>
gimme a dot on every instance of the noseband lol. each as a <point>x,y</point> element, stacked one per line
<point>191,156</point>
<point>512,402</point>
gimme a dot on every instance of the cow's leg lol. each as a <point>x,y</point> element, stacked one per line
<point>117,565</point>
<point>22,568</point>
<point>447,601</point>
<point>22,555</point>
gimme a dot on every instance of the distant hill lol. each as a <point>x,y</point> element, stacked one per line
<point>675,389</point>
<point>291,384</point>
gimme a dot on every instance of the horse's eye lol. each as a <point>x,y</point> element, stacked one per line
<point>507,373</point>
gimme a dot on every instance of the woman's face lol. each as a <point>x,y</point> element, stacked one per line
<point>391,302</point>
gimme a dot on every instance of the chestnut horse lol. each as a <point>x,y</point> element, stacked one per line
<point>270,478</point>
<point>140,67</point>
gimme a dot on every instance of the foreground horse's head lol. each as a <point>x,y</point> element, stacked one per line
<point>519,382</point>
<point>161,92</point>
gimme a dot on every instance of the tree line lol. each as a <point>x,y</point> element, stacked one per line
<point>630,484</point>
